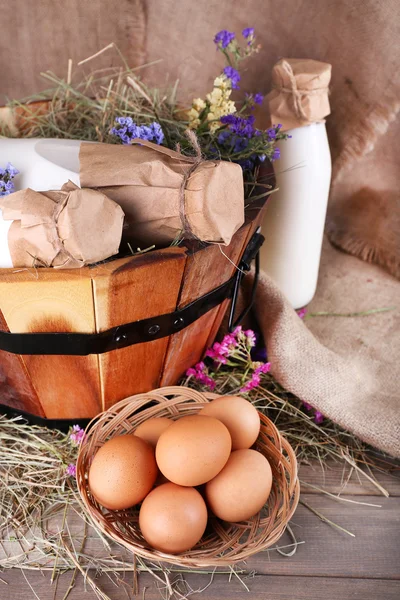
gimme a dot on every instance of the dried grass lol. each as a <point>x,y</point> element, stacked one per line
<point>43,525</point>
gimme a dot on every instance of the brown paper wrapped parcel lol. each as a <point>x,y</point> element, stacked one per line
<point>69,228</point>
<point>300,92</point>
<point>164,193</point>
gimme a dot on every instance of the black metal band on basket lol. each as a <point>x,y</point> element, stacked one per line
<point>138,332</point>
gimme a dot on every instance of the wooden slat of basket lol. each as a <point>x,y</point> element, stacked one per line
<point>17,390</point>
<point>49,300</point>
<point>202,274</point>
<point>127,290</point>
<point>206,269</point>
<point>249,228</point>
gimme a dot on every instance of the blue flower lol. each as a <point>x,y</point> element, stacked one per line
<point>240,144</point>
<point>6,176</point>
<point>228,119</point>
<point>158,134</point>
<point>248,32</point>
<point>258,98</point>
<point>233,75</point>
<point>271,133</point>
<point>246,164</point>
<point>224,38</point>
<point>128,131</point>
<point>223,136</point>
<point>276,154</point>
<point>11,170</point>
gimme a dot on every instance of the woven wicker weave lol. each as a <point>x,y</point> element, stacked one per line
<point>223,543</point>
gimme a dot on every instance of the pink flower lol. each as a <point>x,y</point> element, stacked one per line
<point>71,470</point>
<point>251,337</point>
<point>302,313</point>
<point>77,435</point>
<point>263,368</point>
<point>255,379</point>
<point>200,373</point>
<point>318,417</point>
<point>307,406</point>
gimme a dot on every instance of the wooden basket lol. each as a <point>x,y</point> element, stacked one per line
<point>96,299</point>
<point>223,543</point>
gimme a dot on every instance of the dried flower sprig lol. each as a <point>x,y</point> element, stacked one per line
<point>127,130</point>
<point>234,351</point>
<point>6,179</point>
<point>233,134</point>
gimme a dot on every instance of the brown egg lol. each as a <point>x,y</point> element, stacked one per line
<point>193,450</point>
<point>151,429</point>
<point>239,416</point>
<point>122,472</point>
<point>173,518</point>
<point>242,488</point>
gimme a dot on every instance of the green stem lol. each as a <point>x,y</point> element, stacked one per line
<point>365,313</point>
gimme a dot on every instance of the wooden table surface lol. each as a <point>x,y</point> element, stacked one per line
<point>328,564</point>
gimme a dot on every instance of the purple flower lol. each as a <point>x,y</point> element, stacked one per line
<point>258,98</point>
<point>276,154</point>
<point>302,313</point>
<point>71,470</point>
<point>233,75</point>
<point>318,417</point>
<point>228,119</point>
<point>239,125</point>
<point>12,171</point>
<point>6,176</point>
<point>259,354</point>
<point>77,435</point>
<point>271,133</point>
<point>307,406</point>
<point>248,32</point>
<point>127,130</point>
<point>224,38</point>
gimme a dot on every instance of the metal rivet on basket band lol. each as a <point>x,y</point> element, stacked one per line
<point>154,329</point>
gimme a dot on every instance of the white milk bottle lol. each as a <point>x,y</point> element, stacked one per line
<point>294,220</point>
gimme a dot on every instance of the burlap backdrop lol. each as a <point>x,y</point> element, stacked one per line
<point>349,369</point>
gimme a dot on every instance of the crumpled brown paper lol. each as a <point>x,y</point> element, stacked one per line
<point>164,193</point>
<point>65,229</point>
<point>300,92</point>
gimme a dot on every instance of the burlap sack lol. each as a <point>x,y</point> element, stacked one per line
<point>164,193</point>
<point>299,93</point>
<point>335,363</point>
<point>62,229</point>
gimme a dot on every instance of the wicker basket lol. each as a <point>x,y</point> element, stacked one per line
<point>223,543</point>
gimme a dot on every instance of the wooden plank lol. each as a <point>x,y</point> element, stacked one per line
<point>373,552</point>
<point>127,290</point>
<point>258,588</point>
<point>254,217</point>
<point>39,300</point>
<point>16,389</point>
<point>206,268</point>
<point>339,479</point>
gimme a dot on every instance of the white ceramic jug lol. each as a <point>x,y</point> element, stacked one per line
<point>294,221</point>
<point>43,164</point>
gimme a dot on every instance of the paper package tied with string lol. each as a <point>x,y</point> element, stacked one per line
<point>300,92</point>
<point>164,193</point>
<point>69,228</point>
